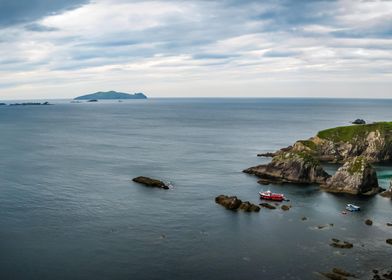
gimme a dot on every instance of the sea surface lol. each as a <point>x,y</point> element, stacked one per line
<point>69,210</point>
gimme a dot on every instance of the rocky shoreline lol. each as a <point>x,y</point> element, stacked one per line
<point>357,147</point>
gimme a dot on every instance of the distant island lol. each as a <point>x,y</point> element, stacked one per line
<point>111,95</point>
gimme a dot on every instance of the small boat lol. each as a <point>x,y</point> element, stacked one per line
<point>271,196</point>
<point>352,207</point>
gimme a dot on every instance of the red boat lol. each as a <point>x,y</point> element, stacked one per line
<point>271,196</point>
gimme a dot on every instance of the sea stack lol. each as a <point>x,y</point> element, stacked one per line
<point>356,176</point>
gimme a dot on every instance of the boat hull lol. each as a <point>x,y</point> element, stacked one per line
<point>271,197</point>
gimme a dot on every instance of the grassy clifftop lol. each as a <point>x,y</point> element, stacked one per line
<point>355,132</point>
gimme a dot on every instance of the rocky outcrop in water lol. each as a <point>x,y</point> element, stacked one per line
<point>356,176</point>
<point>150,182</point>
<point>341,244</point>
<point>388,192</point>
<point>233,203</point>
<point>290,167</point>
<point>359,121</point>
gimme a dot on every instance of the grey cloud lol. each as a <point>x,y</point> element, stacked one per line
<point>22,11</point>
<point>39,27</point>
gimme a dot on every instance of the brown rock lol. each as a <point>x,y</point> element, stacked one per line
<point>233,203</point>
<point>285,207</point>
<point>341,244</point>
<point>150,182</point>
<point>267,205</point>
<point>368,222</point>
<point>342,272</point>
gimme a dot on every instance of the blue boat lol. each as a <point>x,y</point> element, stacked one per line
<point>352,207</point>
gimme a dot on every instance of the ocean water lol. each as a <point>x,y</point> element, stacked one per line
<point>70,211</point>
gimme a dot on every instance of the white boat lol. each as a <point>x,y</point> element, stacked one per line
<point>352,207</point>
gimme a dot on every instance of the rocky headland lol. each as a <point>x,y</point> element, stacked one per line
<point>290,167</point>
<point>355,146</point>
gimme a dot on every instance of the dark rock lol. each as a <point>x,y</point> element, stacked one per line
<point>326,226</point>
<point>359,121</point>
<point>233,203</point>
<point>342,272</point>
<point>249,207</point>
<point>30,104</point>
<point>264,182</point>
<point>389,241</point>
<point>150,182</point>
<point>368,222</point>
<point>267,205</point>
<point>333,276</point>
<point>304,218</point>
<point>288,167</point>
<point>266,155</point>
<point>356,176</point>
<point>389,224</point>
<point>285,207</point>
<point>341,244</point>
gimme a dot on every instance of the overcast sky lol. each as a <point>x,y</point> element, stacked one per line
<point>237,48</point>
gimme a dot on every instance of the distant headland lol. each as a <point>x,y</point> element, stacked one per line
<point>111,95</point>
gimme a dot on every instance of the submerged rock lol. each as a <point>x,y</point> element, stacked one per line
<point>150,182</point>
<point>290,167</point>
<point>285,207</point>
<point>389,241</point>
<point>356,176</point>
<point>368,222</point>
<point>267,205</point>
<point>333,276</point>
<point>233,203</point>
<point>341,244</point>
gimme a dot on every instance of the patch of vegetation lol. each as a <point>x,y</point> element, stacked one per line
<point>303,156</point>
<point>308,143</point>
<point>355,132</point>
<point>356,165</point>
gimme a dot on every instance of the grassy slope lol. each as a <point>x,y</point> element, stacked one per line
<point>353,132</point>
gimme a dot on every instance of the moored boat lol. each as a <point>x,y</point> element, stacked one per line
<point>271,196</point>
<point>352,207</point>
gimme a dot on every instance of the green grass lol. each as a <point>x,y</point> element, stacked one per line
<point>353,132</point>
<point>356,165</point>
<point>306,157</point>
<point>310,144</point>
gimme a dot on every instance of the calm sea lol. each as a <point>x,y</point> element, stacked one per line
<point>69,210</point>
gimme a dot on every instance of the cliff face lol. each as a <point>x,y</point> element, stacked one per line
<point>372,141</point>
<point>291,167</point>
<point>356,176</point>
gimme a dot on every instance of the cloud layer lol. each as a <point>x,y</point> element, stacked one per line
<point>52,48</point>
